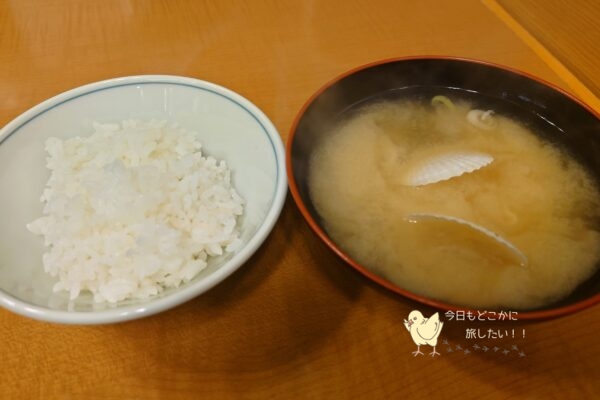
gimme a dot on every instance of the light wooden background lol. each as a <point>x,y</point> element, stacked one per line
<point>294,322</point>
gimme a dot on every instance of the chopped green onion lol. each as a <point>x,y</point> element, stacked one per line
<point>442,100</point>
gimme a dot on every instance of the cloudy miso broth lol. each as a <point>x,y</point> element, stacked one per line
<point>531,195</point>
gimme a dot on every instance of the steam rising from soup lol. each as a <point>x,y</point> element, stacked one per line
<point>534,196</point>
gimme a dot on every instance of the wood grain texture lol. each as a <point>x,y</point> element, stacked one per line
<point>568,29</point>
<point>294,322</point>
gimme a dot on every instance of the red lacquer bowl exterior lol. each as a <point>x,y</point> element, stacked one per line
<point>578,128</point>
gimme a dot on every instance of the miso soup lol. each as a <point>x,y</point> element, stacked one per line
<point>532,195</point>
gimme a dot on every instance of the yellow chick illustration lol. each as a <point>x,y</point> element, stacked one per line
<point>424,330</point>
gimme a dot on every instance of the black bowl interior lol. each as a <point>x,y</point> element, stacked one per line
<point>547,111</point>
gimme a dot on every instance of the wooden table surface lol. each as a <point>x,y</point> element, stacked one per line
<point>294,322</point>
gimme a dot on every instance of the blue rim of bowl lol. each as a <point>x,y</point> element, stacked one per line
<point>191,289</point>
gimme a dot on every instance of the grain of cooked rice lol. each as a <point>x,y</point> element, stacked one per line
<point>133,209</point>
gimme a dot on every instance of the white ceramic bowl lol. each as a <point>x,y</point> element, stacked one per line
<point>231,128</point>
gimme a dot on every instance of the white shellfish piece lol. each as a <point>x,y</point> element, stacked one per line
<point>441,167</point>
<point>482,119</point>
<point>519,256</point>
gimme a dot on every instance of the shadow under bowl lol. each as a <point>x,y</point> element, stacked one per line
<point>550,112</point>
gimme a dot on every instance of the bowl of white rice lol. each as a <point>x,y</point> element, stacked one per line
<point>126,197</point>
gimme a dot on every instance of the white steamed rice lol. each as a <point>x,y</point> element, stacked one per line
<point>133,209</point>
